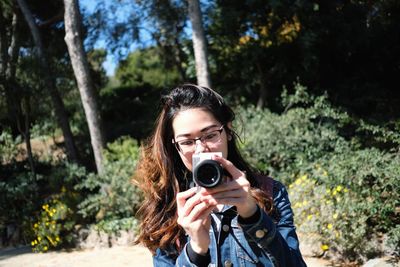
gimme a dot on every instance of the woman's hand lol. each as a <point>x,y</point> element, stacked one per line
<point>234,191</point>
<point>194,217</point>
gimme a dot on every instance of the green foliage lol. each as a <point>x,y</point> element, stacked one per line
<point>18,200</point>
<point>8,147</point>
<point>55,218</point>
<point>145,67</point>
<point>112,200</point>
<point>19,189</point>
<point>135,112</point>
<point>53,227</point>
<point>114,226</point>
<point>344,192</point>
<point>123,149</point>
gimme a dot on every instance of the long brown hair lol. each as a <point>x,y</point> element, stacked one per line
<point>161,174</point>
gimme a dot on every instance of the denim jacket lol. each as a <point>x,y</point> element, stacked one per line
<point>268,242</point>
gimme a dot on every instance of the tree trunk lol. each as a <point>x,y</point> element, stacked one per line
<point>179,59</point>
<point>199,44</point>
<point>14,47</point>
<point>3,46</point>
<point>59,107</point>
<point>25,130</point>
<point>72,20</point>
<point>8,61</point>
<point>262,98</point>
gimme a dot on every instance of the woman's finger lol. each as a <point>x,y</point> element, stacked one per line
<point>227,165</point>
<point>182,197</point>
<point>198,211</point>
<point>189,205</point>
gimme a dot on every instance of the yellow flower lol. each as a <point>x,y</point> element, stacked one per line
<point>57,238</point>
<point>346,190</point>
<point>45,248</point>
<point>335,216</point>
<point>33,243</point>
<point>35,225</point>
<point>298,181</point>
<point>309,217</point>
<point>304,177</point>
<point>39,238</point>
<point>325,173</point>
<point>328,191</point>
<point>324,247</point>
<point>339,188</point>
<point>329,226</point>
<point>54,210</point>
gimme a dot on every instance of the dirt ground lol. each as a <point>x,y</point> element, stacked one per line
<point>117,256</point>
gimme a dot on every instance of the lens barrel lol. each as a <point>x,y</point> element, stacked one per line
<point>208,173</point>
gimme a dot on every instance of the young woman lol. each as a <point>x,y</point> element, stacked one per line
<point>244,221</point>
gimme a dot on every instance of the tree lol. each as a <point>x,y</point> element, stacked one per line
<point>145,67</point>
<point>199,44</point>
<point>165,21</point>
<point>9,50</point>
<point>72,19</point>
<point>58,104</point>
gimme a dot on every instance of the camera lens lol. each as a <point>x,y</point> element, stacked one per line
<point>208,173</point>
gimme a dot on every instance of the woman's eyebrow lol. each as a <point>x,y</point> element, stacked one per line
<point>202,131</point>
<point>208,128</point>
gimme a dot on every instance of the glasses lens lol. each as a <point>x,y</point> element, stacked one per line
<point>186,145</point>
<point>211,137</point>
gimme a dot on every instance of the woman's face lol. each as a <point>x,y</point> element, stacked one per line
<point>195,123</point>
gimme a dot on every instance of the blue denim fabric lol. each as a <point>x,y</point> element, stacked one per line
<point>266,243</point>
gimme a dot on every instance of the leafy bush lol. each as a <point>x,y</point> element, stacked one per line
<point>342,173</point>
<point>18,201</point>
<point>8,147</point>
<point>19,189</point>
<point>54,221</point>
<point>112,199</point>
<point>53,226</point>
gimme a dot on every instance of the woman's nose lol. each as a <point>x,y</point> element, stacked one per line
<point>200,147</point>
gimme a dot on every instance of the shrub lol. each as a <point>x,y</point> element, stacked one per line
<point>112,200</point>
<point>8,148</point>
<point>342,173</point>
<point>53,226</point>
<point>54,221</point>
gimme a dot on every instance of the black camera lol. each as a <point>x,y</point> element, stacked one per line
<point>207,172</point>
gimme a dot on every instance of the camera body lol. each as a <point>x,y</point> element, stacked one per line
<point>207,172</point>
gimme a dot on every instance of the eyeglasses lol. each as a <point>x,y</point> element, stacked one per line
<point>189,145</point>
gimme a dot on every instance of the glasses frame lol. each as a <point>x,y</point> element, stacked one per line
<point>176,144</point>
